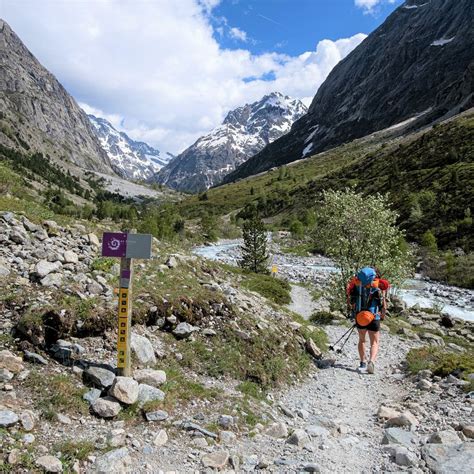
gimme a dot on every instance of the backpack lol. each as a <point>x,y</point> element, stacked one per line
<point>365,296</point>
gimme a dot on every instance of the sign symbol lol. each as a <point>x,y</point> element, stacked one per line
<point>114,244</point>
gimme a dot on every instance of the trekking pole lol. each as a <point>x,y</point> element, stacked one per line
<point>331,348</point>
<point>339,351</point>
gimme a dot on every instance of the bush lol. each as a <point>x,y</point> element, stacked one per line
<point>271,288</point>
<point>322,317</point>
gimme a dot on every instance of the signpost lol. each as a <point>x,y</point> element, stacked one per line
<point>274,270</point>
<point>125,246</point>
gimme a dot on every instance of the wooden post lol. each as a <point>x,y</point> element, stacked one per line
<point>124,318</point>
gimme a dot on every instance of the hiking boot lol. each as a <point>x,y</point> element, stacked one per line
<point>362,368</point>
<point>370,367</point>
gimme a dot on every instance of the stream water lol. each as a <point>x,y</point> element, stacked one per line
<point>457,302</point>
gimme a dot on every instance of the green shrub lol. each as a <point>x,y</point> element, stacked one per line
<point>271,288</point>
<point>322,317</point>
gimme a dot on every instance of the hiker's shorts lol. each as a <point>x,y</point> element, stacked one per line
<point>373,326</point>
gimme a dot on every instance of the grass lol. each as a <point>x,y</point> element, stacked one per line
<point>322,317</point>
<point>103,264</point>
<point>300,250</point>
<point>71,450</point>
<point>252,389</point>
<point>274,289</point>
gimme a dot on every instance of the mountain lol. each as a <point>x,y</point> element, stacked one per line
<point>131,159</point>
<point>37,113</point>
<point>417,68</point>
<point>244,132</point>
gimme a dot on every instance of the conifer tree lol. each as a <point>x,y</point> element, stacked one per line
<point>254,249</point>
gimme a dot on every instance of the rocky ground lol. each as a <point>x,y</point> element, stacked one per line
<point>64,409</point>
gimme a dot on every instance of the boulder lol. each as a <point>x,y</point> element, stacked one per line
<point>227,437</point>
<point>11,362</point>
<point>49,464</point>
<point>387,412</point>
<point>52,279</point>
<point>52,228</point>
<point>298,438</point>
<point>93,240</point>
<point>157,415</point>
<point>147,393</point>
<point>448,458</point>
<point>225,421</point>
<point>216,460</point>
<point>99,377</point>
<point>5,375</point>
<point>405,419</point>
<point>106,407</point>
<point>125,390</point>
<point>35,358</point>
<point>190,426</point>
<point>116,438</point>
<point>432,339</point>
<point>92,395</point>
<point>143,350</point>
<point>27,420</point>
<point>116,461</point>
<point>184,330</point>
<point>8,418</point>
<point>404,457</point>
<point>312,349</point>
<point>70,257</point>
<point>444,437</point>
<point>399,436</point>
<point>277,430</point>
<point>468,431</point>
<point>43,268</point>
<point>151,377</point>
<point>161,438</point>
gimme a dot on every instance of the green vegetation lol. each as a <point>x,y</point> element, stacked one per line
<point>274,289</point>
<point>254,249</point>
<point>71,450</point>
<point>322,317</point>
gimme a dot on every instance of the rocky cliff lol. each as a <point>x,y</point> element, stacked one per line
<point>417,67</point>
<point>244,132</point>
<point>38,114</point>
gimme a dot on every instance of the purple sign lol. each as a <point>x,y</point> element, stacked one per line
<point>114,244</point>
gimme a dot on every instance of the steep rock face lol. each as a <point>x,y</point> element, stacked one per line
<point>244,132</point>
<point>418,66</point>
<point>37,113</point>
<point>130,158</point>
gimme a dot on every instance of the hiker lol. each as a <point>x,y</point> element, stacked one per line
<point>366,299</point>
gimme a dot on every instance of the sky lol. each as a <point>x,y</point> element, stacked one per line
<point>168,71</point>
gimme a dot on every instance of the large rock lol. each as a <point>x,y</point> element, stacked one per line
<point>147,393</point>
<point>49,464</point>
<point>106,407</point>
<point>52,279</point>
<point>404,457</point>
<point>399,436</point>
<point>70,257</point>
<point>387,412</point>
<point>450,458</point>
<point>116,462</point>
<point>11,362</point>
<point>161,438</point>
<point>98,377</point>
<point>405,419</point>
<point>143,350</point>
<point>444,437</point>
<point>298,438</point>
<point>313,349</point>
<point>125,390</point>
<point>277,430</point>
<point>151,377</point>
<point>27,420</point>
<point>8,418</point>
<point>43,268</point>
<point>217,460</point>
<point>184,330</point>
<point>93,240</point>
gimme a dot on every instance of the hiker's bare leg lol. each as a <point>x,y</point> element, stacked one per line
<point>374,337</point>
<point>361,345</point>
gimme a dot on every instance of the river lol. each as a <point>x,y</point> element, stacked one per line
<point>457,302</point>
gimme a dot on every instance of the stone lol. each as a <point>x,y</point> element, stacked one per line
<point>4,270</point>
<point>28,438</point>
<point>8,418</point>
<point>311,467</point>
<point>432,339</point>
<point>468,431</point>
<point>405,419</point>
<point>147,393</point>
<point>312,349</point>
<point>63,419</point>
<point>14,456</point>
<point>92,395</point>
<point>93,240</point>
<point>200,443</point>
<point>277,430</point>
<point>70,257</point>
<point>444,437</point>
<point>43,268</point>
<point>18,236</point>
<point>116,438</point>
<point>52,228</point>
<point>11,362</point>
<point>161,438</point>
<point>116,461</point>
<point>125,390</point>
<point>190,426</point>
<point>216,460</point>
<point>452,459</point>
<point>5,375</point>
<point>151,377</point>
<point>106,407</point>
<point>225,421</point>
<point>49,463</point>
<point>387,412</point>
<point>53,279</point>
<point>227,437</point>
<point>94,288</point>
<point>184,330</point>
<point>27,420</point>
<point>143,350</point>
<point>158,415</point>
<point>403,457</point>
<point>424,384</point>
<point>99,377</point>
<point>399,436</point>
<point>317,431</point>
<point>34,358</point>
<point>171,262</point>
<point>298,438</point>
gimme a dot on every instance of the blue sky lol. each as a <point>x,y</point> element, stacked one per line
<point>168,71</point>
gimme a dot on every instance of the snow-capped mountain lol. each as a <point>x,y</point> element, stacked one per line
<point>132,159</point>
<point>244,132</point>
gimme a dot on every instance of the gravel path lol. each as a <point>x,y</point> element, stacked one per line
<point>301,301</point>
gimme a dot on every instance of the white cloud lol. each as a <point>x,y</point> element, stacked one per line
<point>369,5</point>
<point>238,34</point>
<point>155,68</point>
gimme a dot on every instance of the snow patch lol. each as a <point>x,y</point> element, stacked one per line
<point>442,41</point>
<point>412,7</point>
<point>307,149</point>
